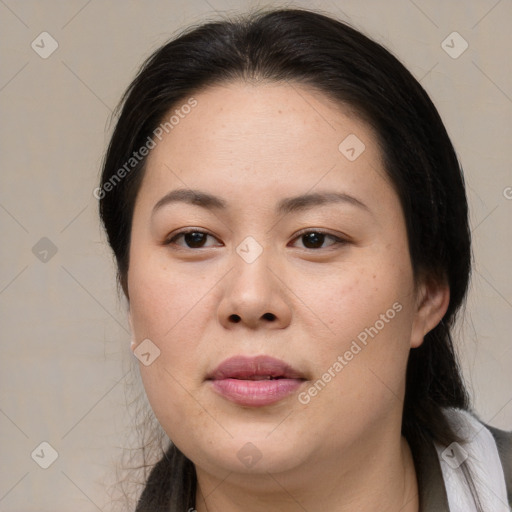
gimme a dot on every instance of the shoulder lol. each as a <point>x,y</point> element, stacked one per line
<point>503,441</point>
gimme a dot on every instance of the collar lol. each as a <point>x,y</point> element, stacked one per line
<point>478,482</point>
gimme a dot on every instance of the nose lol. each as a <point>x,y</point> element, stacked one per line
<point>253,296</point>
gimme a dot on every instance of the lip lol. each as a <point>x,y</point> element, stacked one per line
<point>255,381</point>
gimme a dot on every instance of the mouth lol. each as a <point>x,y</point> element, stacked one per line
<point>255,381</point>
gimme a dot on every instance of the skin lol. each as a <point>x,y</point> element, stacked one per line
<point>254,145</point>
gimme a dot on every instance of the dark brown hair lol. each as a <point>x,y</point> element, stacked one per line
<point>299,46</point>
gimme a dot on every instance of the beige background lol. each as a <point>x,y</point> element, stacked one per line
<point>65,359</point>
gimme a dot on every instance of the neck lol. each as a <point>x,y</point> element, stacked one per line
<point>375,477</point>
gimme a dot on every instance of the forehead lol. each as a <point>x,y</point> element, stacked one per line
<point>280,135</point>
<point>279,115</point>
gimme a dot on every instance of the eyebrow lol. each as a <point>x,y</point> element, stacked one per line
<point>307,201</point>
<point>189,196</point>
<point>285,206</point>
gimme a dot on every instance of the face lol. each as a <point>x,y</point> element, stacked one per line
<point>291,257</point>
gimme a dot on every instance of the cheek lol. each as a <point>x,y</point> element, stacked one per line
<point>353,296</point>
<point>170,309</point>
<point>162,298</point>
<point>166,308</point>
<point>179,411</point>
<point>368,312</point>
<point>361,366</point>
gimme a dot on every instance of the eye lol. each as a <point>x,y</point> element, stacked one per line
<point>192,238</point>
<point>316,239</point>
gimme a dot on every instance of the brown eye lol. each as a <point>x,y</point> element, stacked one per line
<point>316,240</point>
<point>192,239</point>
<point>313,240</point>
<point>195,239</point>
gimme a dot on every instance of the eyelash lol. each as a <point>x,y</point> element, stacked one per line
<point>337,240</point>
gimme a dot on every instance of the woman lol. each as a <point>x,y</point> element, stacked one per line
<point>289,222</point>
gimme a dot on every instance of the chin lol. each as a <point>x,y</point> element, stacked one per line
<point>254,453</point>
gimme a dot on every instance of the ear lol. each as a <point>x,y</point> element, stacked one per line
<point>432,300</point>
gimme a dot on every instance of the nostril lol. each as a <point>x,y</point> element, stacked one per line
<point>269,316</point>
<point>235,318</point>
